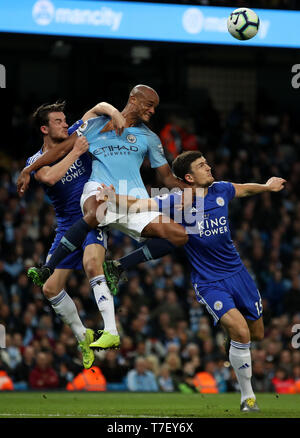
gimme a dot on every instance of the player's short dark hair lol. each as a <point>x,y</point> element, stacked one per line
<point>41,114</point>
<point>182,163</point>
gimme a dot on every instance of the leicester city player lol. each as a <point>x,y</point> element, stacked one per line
<point>63,182</point>
<point>118,159</point>
<point>219,277</point>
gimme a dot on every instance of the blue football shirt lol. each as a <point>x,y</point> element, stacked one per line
<point>65,194</point>
<point>117,159</point>
<point>210,249</point>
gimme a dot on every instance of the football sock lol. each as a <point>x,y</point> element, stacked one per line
<point>153,249</point>
<point>105,303</point>
<point>72,240</point>
<point>240,359</point>
<point>65,308</point>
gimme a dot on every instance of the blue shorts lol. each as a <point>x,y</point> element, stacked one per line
<point>236,292</point>
<point>74,260</point>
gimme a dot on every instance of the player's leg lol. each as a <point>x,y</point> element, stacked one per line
<point>220,302</point>
<point>74,236</point>
<point>165,228</point>
<point>166,234</point>
<point>257,330</point>
<point>65,308</point>
<point>93,258</point>
<point>240,356</point>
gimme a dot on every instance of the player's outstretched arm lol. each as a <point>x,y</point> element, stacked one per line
<point>117,121</point>
<point>51,174</point>
<point>273,184</point>
<point>48,157</point>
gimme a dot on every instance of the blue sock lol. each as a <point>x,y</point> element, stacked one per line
<point>153,249</point>
<point>72,240</point>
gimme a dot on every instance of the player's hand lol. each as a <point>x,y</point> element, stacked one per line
<point>23,182</point>
<point>275,184</point>
<point>106,193</point>
<point>117,123</point>
<point>81,145</point>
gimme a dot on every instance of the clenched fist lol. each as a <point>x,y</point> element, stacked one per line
<point>81,145</point>
<point>275,184</point>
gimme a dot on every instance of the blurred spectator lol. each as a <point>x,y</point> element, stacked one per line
<point>88,380</point>
<point>24,368</point>
<point>6,383</point>
<point>186,383</point>
<point>174,363</point>
<point>260,380</point>
<point>11,355</point>
<point>282,383</point>
<point>114,370</point>
<point>205,381</point>
<point>165,381</point>
<point>43,376</point>
<point>140,379</point>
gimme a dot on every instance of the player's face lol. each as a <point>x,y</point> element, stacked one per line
<point>200,174</point>
<point>146,105</point>
<point>57,126</point>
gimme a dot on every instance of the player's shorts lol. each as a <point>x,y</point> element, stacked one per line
<point>74,260</point>
<point>130,224</point>
<point>236,292</point>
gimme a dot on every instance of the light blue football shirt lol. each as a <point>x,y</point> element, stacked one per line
<point>117,159</point>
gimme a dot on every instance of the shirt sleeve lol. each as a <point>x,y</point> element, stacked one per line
<point>89,126</point>
<point>75,126</point>
<point>168,205</point>
<point>31,160</point>
<point>165,203</point>
<point>156,152</point>
<point>228,188</point>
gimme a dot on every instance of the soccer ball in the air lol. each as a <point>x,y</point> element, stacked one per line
<point>243,24</point>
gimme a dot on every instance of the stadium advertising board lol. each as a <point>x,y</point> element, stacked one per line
<point>144,21</point>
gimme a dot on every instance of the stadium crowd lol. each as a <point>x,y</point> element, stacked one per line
<point>168,342</point>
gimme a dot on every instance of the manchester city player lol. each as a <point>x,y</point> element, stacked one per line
<point>219,277</point>
<point>63,182</point>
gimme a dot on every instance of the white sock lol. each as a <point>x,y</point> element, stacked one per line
<point>105,303</point>
<point>240,359</point>
<point>66,309</point>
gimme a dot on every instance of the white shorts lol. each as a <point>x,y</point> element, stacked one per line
<point>130,224</point>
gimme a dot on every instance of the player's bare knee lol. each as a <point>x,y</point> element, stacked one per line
<point>90,210</point>
<point>49,291</point>
<point>243,335</point>
<point>258,336</point>
<point>92,267</point>
<point>90,217</point>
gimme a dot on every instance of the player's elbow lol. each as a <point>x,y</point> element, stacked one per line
<point>49,180</point>
<point>177,235</point>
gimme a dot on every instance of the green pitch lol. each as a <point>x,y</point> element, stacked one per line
<point>127,405</point>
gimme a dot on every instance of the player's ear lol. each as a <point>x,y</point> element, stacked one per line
<point>133,100</point>
<point>44,129</point>
<point>188,177</point>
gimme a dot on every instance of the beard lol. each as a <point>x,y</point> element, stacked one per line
<point>60,139</point>
<point>208,182</point>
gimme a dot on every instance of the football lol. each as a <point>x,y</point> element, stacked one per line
<point>243,23</point>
